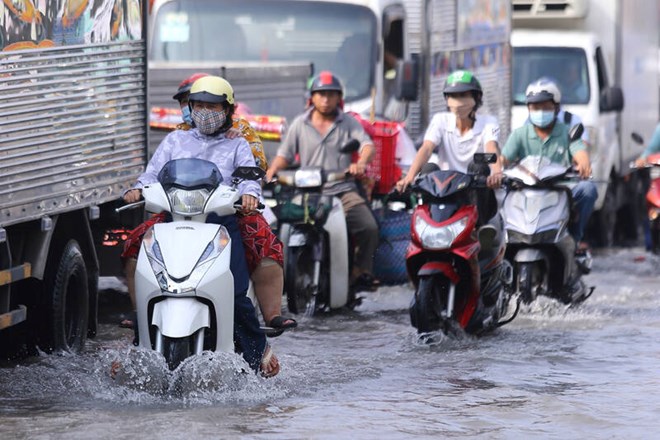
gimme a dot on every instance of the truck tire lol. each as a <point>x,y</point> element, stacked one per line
<point>67,310</point>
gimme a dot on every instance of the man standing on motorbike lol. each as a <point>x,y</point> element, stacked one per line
<point>317,136</point>
<point>212,107</point>
<point>460,132</point>
<point>547,136</point>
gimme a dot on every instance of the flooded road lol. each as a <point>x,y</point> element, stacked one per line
<point>554,372</point>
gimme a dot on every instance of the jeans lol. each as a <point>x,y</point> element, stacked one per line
<point>249,338</point>
<point>584,199</point>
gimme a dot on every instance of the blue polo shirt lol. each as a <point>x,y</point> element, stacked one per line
<point>525,142</point>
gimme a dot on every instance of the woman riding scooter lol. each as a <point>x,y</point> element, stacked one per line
<point>212,107</point>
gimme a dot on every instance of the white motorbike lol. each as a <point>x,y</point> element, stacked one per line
<point>316,242</point>
<point>537,211</point>
<point>184,285</point>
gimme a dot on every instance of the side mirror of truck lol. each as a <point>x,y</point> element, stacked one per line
<point>611,99</point>
<point>407,80</point>
<point>576,132</point>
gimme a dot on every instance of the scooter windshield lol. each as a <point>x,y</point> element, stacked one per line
<point>190,174</point>
<point>440,184</point>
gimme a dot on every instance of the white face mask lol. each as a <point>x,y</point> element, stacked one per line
<point>461,107</point>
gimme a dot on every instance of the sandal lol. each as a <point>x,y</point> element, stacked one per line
<point>279,325</point>
<point>265,363</point>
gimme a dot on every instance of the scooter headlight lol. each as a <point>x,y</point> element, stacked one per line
<point>308,178</point>
<point>187,202</point>
<point>438,237</point>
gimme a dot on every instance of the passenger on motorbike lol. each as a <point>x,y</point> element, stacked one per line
<point>212,107</point>
<point>317,136</point>
<point>547,136</point>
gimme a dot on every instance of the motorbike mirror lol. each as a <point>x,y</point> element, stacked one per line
<point>576,132</point>
<point>637,138</point>
<point>483,158</point>
<point>248,173</point>
<point>350,146</point>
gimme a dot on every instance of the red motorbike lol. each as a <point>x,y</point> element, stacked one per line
<point>456,255</point>
<point>652,228</point>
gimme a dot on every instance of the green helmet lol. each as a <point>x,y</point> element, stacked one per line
<point>461,81</point>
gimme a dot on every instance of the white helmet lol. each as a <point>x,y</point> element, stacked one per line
<point>543,89</point>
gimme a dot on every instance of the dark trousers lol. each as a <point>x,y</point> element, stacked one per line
<point>249,338</point>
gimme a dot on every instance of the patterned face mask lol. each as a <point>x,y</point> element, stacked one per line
<point>208,121</point>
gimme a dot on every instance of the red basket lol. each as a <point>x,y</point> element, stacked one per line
<point>383,168</point>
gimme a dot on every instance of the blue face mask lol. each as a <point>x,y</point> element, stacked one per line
<point>185,114</point>
<point>541,118</point>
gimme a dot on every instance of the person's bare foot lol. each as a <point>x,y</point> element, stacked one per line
<point>270,365</point>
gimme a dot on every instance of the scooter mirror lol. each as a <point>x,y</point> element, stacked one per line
<point>483,158</point>
<point>576,132</point>
<point>637,138</point>
<point>248,173</point>
<point>350,146</point>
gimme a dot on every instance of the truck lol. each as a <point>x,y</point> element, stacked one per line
<point>73,137</point>
<point>393,56</point>
<point>604,56</point>
<point>188,36</point>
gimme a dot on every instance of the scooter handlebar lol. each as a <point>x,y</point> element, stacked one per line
<point>128,206</point>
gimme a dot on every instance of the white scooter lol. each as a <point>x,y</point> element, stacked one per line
<point>315,237</point>
<point>184,286</point>
<point>537,211</point>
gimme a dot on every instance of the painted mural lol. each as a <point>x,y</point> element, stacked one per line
<point>30,24</point>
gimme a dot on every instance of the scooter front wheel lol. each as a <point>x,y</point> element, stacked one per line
<point>299,281</point>
<point>176,350</point>
<point>425,311</point>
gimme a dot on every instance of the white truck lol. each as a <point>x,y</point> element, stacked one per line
<point>73,136</point>
<point>604,56</point>
<point>392,55</point>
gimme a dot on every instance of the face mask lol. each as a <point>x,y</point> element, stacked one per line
<point>461,107</point>
<point>541,118</point>
<point>185,115</point>
<point>208,121</point>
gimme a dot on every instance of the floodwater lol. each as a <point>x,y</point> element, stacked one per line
<point>554,372</point>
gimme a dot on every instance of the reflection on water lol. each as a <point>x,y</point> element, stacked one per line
<point>554,372</point>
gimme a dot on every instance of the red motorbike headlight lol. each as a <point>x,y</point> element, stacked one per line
<point>438,237</point>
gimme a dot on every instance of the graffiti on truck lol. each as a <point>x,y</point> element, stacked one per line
<point>31,24</point>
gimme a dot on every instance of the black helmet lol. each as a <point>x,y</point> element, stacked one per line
<point>325,80</point>
<point>461,81</point>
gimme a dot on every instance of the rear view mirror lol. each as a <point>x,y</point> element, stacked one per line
<point>611,100</point>
<point>575,132</point>
<point>482,158</point>
<point>407,80</point>
<point>248,173</point>
<point>350,146</point>
<point>637,138</point>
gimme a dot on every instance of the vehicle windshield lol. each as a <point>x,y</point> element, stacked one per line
<point>565,66</point>
<point>336,37</point>
<point>190,174</point>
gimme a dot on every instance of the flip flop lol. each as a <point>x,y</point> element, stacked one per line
<point>126,323</point>
<point>279,325</point>
<point>265,360</point>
